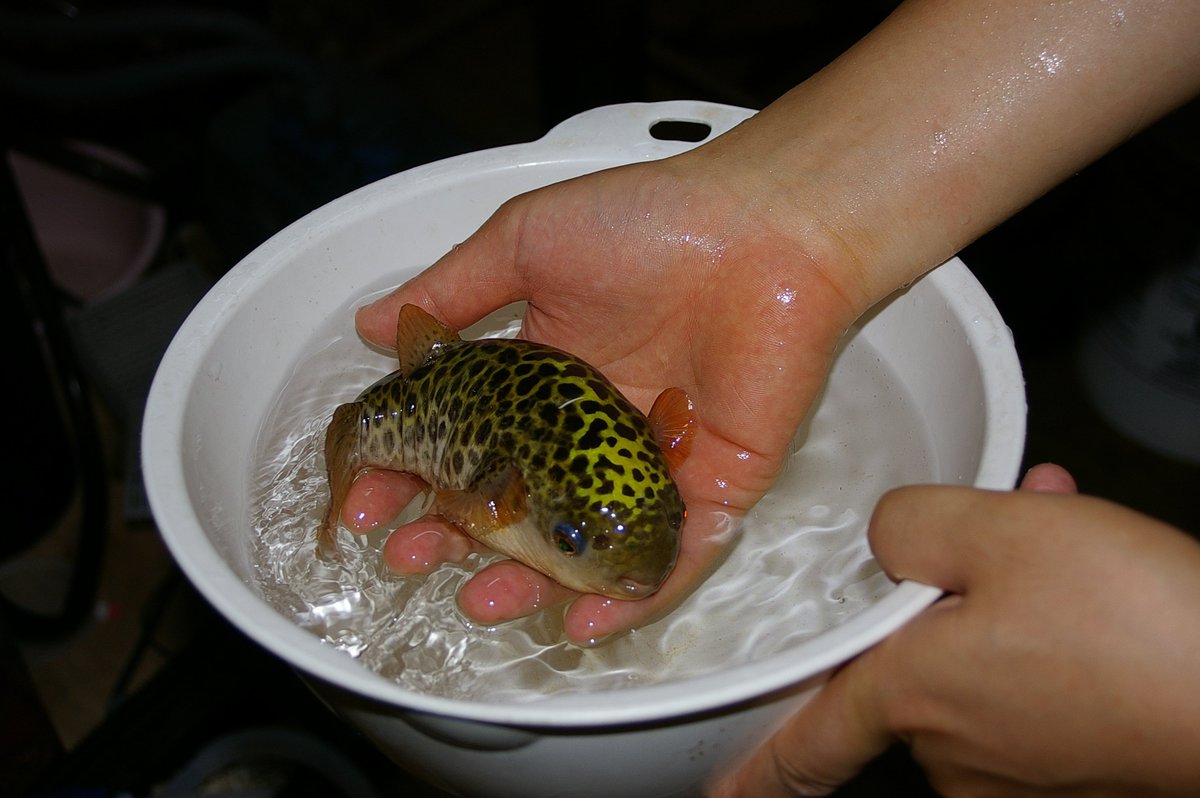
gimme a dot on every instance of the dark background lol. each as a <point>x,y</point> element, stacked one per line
<point>249,114</point>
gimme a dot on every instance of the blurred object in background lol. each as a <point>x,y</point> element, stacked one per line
<point>95,240</point>
<point>1141,364</point>
<point>55,440</point>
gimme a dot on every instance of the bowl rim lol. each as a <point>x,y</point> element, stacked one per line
<point>242,605</point>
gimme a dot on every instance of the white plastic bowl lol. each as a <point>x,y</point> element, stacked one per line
<point>942,337</point>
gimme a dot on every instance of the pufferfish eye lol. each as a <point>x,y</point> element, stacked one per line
<point>569,539</point>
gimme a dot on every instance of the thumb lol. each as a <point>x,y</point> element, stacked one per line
<point>464,285</point>
<point>822,746</point>
<point>1048,478</point>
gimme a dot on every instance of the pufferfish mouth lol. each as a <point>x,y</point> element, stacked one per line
<point>637,586</point>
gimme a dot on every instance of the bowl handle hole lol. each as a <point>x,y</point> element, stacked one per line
<point>680,130</point>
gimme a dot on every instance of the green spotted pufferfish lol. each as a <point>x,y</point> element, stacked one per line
<point>529,450</point>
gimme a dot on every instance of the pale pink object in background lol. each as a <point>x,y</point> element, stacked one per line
<point>95,240</point>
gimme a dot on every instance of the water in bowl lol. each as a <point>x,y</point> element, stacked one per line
<point>799,566</point>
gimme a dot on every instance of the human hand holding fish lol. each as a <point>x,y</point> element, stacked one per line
<point>627,297</point>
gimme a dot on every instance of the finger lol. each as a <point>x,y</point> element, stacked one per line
<point>1049,478</point>
<point>507,590</point>
<point>377,497</point>
<point>592,618</point>
<point>932,534</point>
<point>423,545</point>
<point>928,534</point>
<point>823,745</point>
<point>464,285</point>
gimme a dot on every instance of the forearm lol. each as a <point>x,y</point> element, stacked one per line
<point>951,116</point>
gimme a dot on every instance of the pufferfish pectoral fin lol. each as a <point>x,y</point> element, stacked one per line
<point>419,337</point>
<point>496,500</point>
<point>673,418</point>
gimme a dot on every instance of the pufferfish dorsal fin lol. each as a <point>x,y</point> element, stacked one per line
<point>673,419</point>
<point>420,337</point>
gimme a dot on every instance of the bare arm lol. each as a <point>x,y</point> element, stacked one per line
<point>949,117</point>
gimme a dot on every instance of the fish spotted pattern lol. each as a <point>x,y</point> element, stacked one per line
<point>530,450</point>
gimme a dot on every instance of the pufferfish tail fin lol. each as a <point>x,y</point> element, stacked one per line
<point>420,337</point>
<point>342,464</point>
